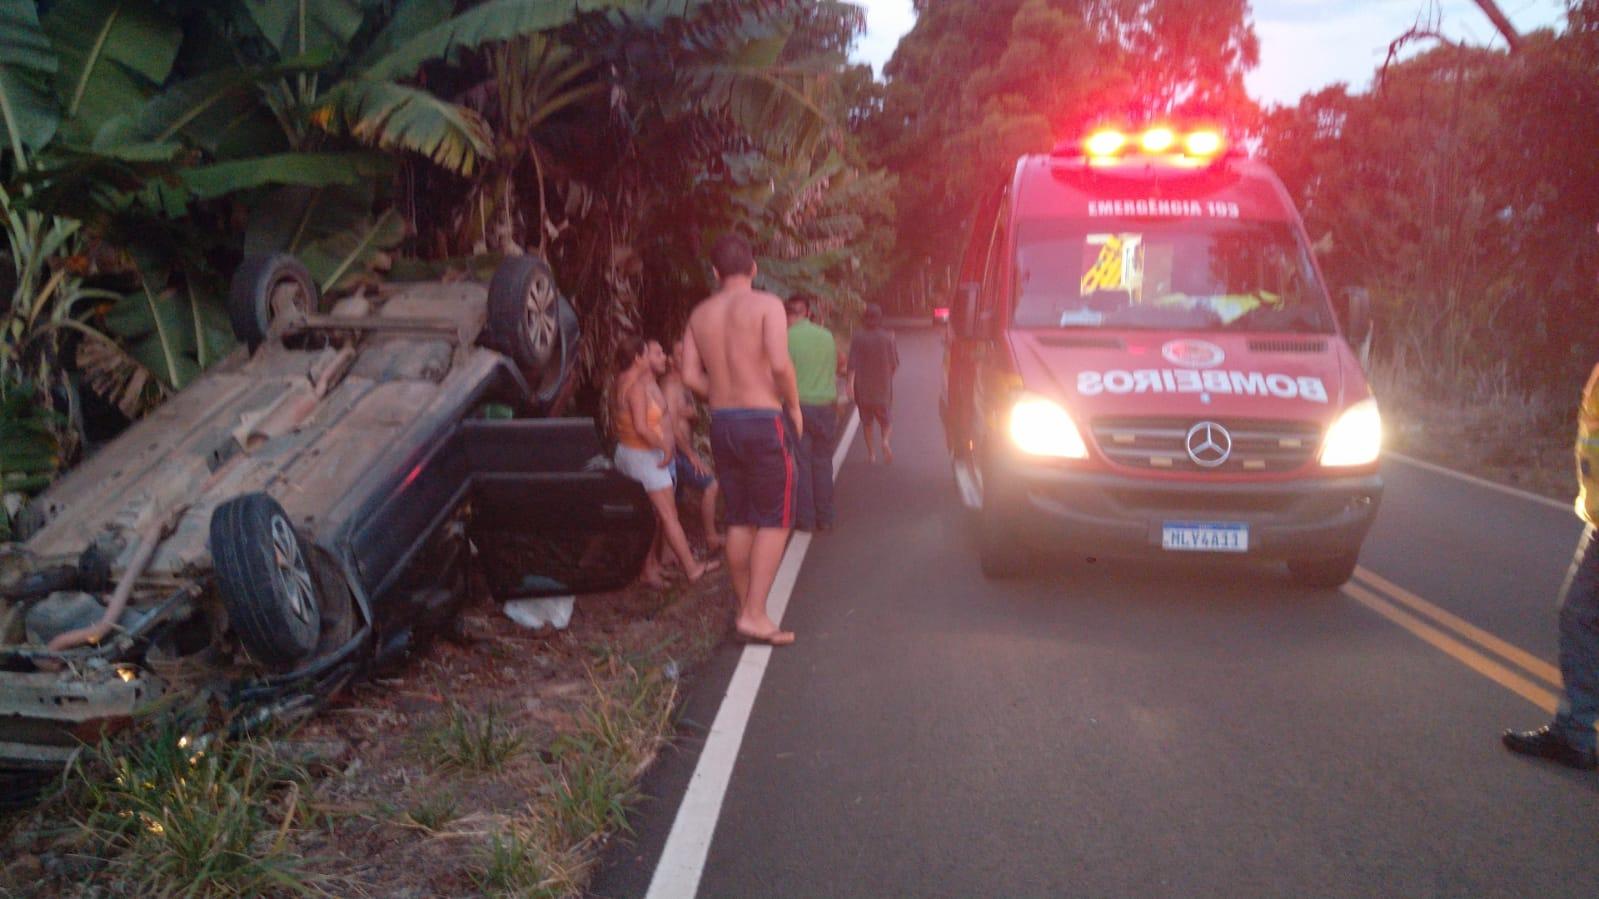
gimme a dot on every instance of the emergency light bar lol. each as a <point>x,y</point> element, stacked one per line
<point>1105,144</point>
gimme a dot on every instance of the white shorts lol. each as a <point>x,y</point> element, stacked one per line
<point>644,466</point>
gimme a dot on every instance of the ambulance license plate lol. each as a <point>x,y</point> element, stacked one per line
<point>1205,536</point>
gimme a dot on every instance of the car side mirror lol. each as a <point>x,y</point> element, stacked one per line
<point>963,317</point>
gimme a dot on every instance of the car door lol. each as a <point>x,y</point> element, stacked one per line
<point>548,517</point>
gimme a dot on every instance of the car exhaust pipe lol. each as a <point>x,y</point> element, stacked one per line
<point>150,537</point>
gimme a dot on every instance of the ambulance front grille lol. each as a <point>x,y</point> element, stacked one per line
<point>1160,444</point>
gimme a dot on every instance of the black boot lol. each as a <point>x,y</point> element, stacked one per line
<point>1546,744</point>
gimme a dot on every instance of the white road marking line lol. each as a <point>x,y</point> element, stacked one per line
<point>1480,482</point>
<point>677,874</point>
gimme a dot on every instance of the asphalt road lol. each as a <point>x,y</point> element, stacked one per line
<point>1118,729</point>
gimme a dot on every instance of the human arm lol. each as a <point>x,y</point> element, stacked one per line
<point>774,333</point>
<point>695,377</point>
<point>680,410</point>
<point>847,368</point>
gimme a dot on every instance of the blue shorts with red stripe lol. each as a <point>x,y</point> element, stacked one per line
<point>754,452</point>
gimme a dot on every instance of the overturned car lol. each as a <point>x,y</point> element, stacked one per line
<point>311,507</point>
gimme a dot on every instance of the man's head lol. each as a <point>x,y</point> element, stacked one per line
<point>800,306</point>
<point>629,350</point>
<point>656,355</point>
<point>873,316</point>
<point>732,257</point>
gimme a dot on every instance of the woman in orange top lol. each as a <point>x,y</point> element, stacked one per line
<point>644,451</point>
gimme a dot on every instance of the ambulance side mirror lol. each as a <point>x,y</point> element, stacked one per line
<point>1357,322</point>
<point>963,318</point>
<point>1357,314</point>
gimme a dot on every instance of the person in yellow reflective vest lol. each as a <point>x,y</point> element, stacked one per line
<point>1570,738</point>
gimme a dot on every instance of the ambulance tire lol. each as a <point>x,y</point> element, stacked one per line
<point>1324,573</point>
<point>1000,551</point>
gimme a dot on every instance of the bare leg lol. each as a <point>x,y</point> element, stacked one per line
<point>740,544</point>
<point>888,452</point>
<point>868,428</point>
<point>652,576</point>
<point>666,512</point>
<point>765,556</point>
<point>713,540</point>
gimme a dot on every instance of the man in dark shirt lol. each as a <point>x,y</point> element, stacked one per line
<point>873,359</point>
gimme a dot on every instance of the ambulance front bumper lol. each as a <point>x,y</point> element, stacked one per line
<point>1102,514</point>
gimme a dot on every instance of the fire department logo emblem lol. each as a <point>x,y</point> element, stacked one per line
<point>1192,353</point>
<point>1209,444</point>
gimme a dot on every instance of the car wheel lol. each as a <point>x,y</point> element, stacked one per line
<point>1000,552</point>
<point>1328,572</point>
<point>266,288</point>
<point>525,319</point>
<point>265,580</point>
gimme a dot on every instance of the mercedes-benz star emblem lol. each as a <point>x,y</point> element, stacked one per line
<point>1209,444</point>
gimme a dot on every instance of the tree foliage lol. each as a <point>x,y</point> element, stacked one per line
<point>978,83</point>
<point>162,140</point>
<point>1461,191</point>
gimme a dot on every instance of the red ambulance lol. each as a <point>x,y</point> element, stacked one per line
<point>1144,359</point>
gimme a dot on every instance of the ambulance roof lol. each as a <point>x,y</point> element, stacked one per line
<point>1053,187</point>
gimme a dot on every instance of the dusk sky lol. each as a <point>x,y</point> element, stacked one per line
<point>1304,44</point>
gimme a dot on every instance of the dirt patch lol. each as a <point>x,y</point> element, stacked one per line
<point>498,761</point>
<point>1525,444</point>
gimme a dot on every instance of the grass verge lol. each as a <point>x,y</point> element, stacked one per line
<point>155,813</point>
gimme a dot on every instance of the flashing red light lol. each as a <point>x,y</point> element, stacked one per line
<point>1202,143</point>
<point>1105,143</point>
<point>1158,140</point>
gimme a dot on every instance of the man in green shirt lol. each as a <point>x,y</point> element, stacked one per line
<point>815,356</point>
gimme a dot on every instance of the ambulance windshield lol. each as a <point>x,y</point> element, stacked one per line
<point>1171,275</point>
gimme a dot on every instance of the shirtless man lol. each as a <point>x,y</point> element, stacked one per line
<point>690,468</point>
<point>735,353</point>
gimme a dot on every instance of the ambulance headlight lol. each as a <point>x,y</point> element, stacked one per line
<point>1355,438</point>
<point>1040,427</point>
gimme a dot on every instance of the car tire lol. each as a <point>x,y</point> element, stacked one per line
<point>1326,572</point>
<point>265,580</point>
<point>1000,551</point>
<point>260,286</point>
<point>524,312</point>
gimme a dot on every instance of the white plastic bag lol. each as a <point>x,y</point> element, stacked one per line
<point>537,614</point>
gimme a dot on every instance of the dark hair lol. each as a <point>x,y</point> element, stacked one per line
<point>803,299</point>
<point>732,255</point>
<point>874,314</point>
<point>628,349</point>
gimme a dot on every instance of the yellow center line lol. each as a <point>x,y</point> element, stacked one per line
<point>1532,692</point>
<point>1528,662</point>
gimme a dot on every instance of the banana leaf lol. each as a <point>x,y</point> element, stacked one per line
<point>331,229</point>
<point>169,333</point>
<point>28,110</point>
<point>295,27</point>
<point>497,20</point>
<point>113,55</point>
<point>305,169</point>
<point>385,114</point>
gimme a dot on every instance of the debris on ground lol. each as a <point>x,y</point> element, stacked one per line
<point>499,761</point>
